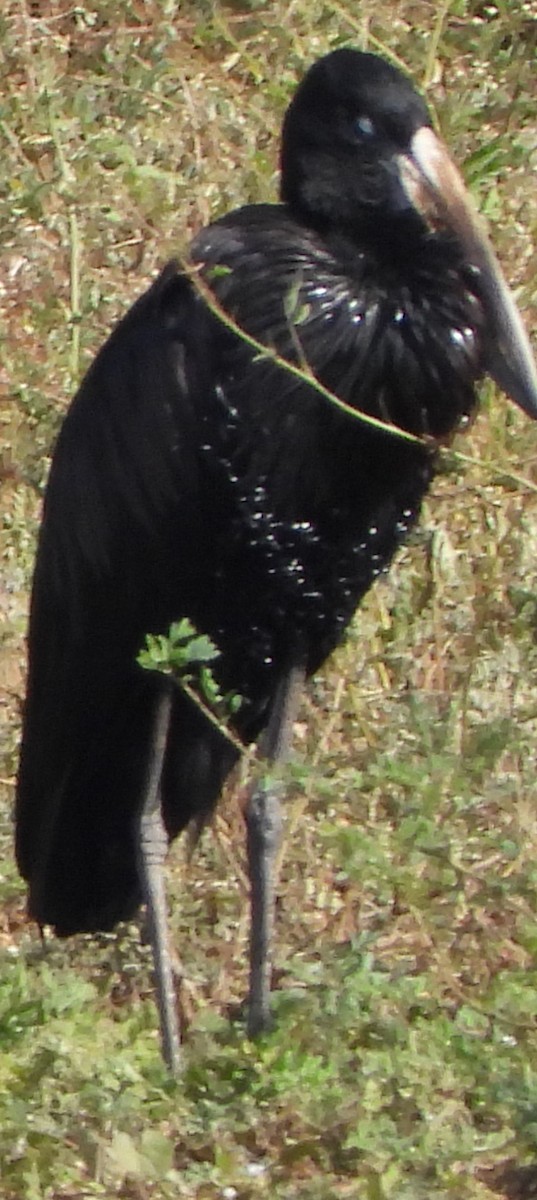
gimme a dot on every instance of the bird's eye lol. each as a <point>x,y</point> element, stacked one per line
<point>364,127</point>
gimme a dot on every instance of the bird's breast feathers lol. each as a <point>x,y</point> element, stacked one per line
<point>383,336</point>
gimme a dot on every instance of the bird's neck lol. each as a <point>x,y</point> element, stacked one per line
<point>395,242</point>
<point>398,254</point>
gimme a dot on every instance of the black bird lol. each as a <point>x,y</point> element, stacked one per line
<point>194,477</point>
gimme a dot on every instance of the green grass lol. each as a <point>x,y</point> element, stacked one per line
<point>404,1060</point>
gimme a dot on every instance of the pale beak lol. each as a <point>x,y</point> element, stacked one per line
<point>431,180</point>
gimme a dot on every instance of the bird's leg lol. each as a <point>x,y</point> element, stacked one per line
<point>153,849</point>
<point>264,829</point>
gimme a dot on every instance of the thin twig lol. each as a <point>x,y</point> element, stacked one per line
<point>501,473</point>
<point>74,275</point>
<point>434,42</point>
<point>74,245</point>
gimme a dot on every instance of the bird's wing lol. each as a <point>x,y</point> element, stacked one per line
<point>125,452</point>
<point>117,551</point>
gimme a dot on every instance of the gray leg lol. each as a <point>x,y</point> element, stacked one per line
<point>153,849</point>
<point>264,828</point>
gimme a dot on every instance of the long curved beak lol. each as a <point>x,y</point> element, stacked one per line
<point>429,175</point>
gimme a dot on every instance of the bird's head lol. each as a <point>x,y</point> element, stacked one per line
<point>360,157</point>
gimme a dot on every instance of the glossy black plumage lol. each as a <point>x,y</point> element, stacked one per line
<point>194,478</point>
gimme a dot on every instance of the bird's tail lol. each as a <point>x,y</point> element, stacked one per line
<point>80,853</point>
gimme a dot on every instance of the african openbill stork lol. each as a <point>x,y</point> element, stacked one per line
<point>194,477</point>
